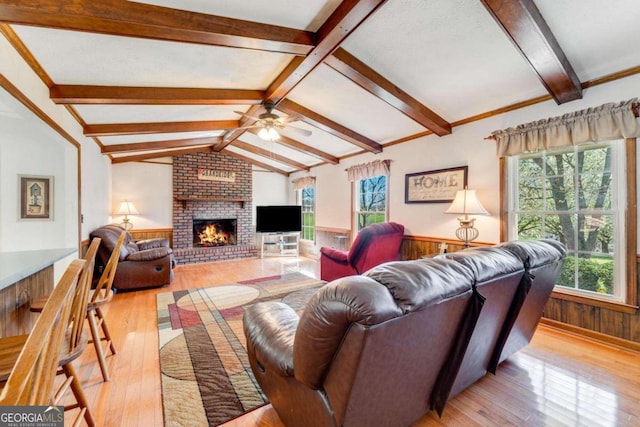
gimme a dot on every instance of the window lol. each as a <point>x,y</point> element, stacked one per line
<point>371,201</point>
<point>308,202</point>
<point>577,196</point>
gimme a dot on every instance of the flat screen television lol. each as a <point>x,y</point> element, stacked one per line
<point>278,219</point>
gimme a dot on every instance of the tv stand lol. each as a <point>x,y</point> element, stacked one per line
<point>280,244</point>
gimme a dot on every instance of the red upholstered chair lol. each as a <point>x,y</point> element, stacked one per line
<point>374,245</point>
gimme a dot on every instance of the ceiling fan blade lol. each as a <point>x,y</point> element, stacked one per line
<point>299,130</point>
<point>248,116</point>
<point>289,119</point>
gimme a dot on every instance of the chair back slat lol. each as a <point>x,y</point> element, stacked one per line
<point>31,381</point>
<point>103,288</point>
<point>81,298</point>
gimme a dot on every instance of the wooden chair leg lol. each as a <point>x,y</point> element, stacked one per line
<point>105,330</point>
<point>95,334</point>
<point>78,393</point>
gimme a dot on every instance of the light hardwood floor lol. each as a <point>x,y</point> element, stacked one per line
<point>558,380</point>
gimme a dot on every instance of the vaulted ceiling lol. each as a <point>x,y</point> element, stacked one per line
<point>152,79</point>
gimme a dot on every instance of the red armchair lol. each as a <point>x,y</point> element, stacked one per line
<point>374,245</point>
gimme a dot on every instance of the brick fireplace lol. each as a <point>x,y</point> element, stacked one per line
<point>212,188</point>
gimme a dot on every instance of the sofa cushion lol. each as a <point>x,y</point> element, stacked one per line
<point>418,284</point>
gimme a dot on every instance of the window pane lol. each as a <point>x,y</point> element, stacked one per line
<point>595,233</point>
<point>531,194</point>
<point>308,214</point>
<point>529,227</point>
<point>371,201</point>
<point>560,193</point>
<point>562,228</point>
<point>595,273</point>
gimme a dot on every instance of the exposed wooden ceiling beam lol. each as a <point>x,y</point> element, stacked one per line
<point>342,22</point>
<point>365,77</point>
<point>270,155</point>
<point>159,145</point>
<point>321,122</point>
<point>114,129</point>
<point>165,153</point>
<point>256,162</point>
<point>125,18</point>
<point>524,25</point>
<point>234,134</point>
<point>77,94</point>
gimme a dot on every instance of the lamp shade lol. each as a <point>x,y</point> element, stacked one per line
<point>466,202</point>
<point>127,208</point>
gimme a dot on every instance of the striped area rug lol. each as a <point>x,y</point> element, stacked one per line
<point>206,377</point>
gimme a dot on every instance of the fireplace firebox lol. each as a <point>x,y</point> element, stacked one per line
<point>214,232</point>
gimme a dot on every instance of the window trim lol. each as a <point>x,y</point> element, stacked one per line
<point>630,304</point>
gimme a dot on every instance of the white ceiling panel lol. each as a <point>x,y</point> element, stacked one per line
<point>321,140</point>
<point>598,35</point>
<point>448,54</point>
<point>95,59</point>
<point>261,159</point>
<point>285,13</point>
<point>334,96</point>
<point>276,148</point>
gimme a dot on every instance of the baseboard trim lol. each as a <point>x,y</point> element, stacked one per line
<point>593,335</point>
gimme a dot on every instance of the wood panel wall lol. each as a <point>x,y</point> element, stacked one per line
<point>15,300</point>
<point>415,247</point>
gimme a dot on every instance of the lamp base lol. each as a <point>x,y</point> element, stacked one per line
<point>126,225</point>
<point>467,232</point>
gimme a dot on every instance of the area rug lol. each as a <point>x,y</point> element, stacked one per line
<point>205,373</point>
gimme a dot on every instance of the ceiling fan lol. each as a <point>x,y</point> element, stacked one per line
<point>269,123</point>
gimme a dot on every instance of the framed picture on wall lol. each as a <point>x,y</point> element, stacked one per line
<point>36,197</point>
<point>436,186</point>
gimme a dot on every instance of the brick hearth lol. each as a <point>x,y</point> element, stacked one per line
<point>204,199</point>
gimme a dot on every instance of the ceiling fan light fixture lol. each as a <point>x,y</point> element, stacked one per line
<point>268,134</point>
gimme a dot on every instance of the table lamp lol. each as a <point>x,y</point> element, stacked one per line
<point>466,203</point>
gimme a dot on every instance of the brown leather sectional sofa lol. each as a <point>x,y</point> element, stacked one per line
<point>386,347</point>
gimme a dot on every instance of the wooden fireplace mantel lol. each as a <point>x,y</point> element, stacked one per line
<point>185,199</point>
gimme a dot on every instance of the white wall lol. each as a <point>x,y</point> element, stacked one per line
<point>150,187</point>
<point>30,147</point>
<point>94,185</point>
<point>466,146</point>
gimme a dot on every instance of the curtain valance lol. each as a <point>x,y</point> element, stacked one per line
<point>304,182</point>
<point>606,122</point>
<point>367,170</point>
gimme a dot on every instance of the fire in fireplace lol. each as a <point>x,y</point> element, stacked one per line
<point>214,232</point>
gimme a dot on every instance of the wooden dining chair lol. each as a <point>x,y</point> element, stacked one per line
<point>73,344</point>
<point>100,296</point>
<point>32,377</point>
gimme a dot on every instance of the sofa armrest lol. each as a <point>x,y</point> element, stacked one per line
<point>340,257</point>
<point>159,242</point>
<point>149,254</point>
<point>270,328</point>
